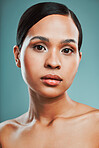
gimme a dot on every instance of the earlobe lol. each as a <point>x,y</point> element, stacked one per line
<point>16,52</point>
<point>80,56</point>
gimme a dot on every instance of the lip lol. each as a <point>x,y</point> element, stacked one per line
<point>53,77</point>
<point>51,80</point>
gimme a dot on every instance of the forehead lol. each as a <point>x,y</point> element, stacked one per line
<point>55,26</point>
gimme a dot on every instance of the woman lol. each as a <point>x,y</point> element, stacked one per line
<point>49,39</point>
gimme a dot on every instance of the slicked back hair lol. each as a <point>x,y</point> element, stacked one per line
<point>38,11</point>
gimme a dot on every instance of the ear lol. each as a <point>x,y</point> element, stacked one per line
<point>16,52</point>
<point>80,56</point>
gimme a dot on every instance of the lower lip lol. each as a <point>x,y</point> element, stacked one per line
<point>51,82</point>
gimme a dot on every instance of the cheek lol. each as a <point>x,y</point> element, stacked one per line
<point>73,66</point>
<point>70,70</point>
<point>30,67</point>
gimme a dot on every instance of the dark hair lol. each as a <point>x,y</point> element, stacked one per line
<point>36,12</point>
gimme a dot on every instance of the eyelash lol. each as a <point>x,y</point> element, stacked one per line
<point>68,50</point>
<point>39,48</point>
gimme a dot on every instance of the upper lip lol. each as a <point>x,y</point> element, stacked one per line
<point>53,77</point>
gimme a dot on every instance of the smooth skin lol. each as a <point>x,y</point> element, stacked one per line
<point>53,120</point>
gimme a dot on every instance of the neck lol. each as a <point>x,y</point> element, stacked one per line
<point>45,110</point>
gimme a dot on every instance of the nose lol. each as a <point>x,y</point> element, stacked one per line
<point>52,61</point>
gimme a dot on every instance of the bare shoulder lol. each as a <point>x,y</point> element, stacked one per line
<point>84,109</point>
<point>90,113</point>
<point>8,128</point>
<point>95,117</point>
<point>12,124</point>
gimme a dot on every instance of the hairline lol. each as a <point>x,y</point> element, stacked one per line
<point>68,15</point>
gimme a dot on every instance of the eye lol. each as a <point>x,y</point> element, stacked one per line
<point>67,50</point>
<point>39,47</point>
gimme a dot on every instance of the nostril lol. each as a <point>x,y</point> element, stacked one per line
<point>49,66</point>
<point>53,67</point>
<point>58,67</point>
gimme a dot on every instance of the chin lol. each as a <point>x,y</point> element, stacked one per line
<point>51,93</point>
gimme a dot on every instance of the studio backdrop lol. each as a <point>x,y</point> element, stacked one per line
<point>14,99</point>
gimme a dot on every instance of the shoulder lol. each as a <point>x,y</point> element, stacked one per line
<point>12,125</point>
<point>6,130</point>
<point>7,127</point>
<point>91,116</point>
<point>87,110</point>
<point>95,117</point>
<point>88,113</point>
<point>9,124</point>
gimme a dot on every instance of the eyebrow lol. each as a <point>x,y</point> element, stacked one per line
<point>47,40</point>
<point>40,38</point>
<point>69,41</point>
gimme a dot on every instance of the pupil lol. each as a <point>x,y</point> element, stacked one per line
<point>39,47</point>
<point>66,50</point>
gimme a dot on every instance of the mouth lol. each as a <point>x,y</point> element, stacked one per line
<point>51,80</point>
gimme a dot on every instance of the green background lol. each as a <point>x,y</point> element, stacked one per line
<point>14,98</point>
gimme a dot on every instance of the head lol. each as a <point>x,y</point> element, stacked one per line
<point>55,35</point>
<point>38,12</point>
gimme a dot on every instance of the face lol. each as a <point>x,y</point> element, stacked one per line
<point>49,56</point>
